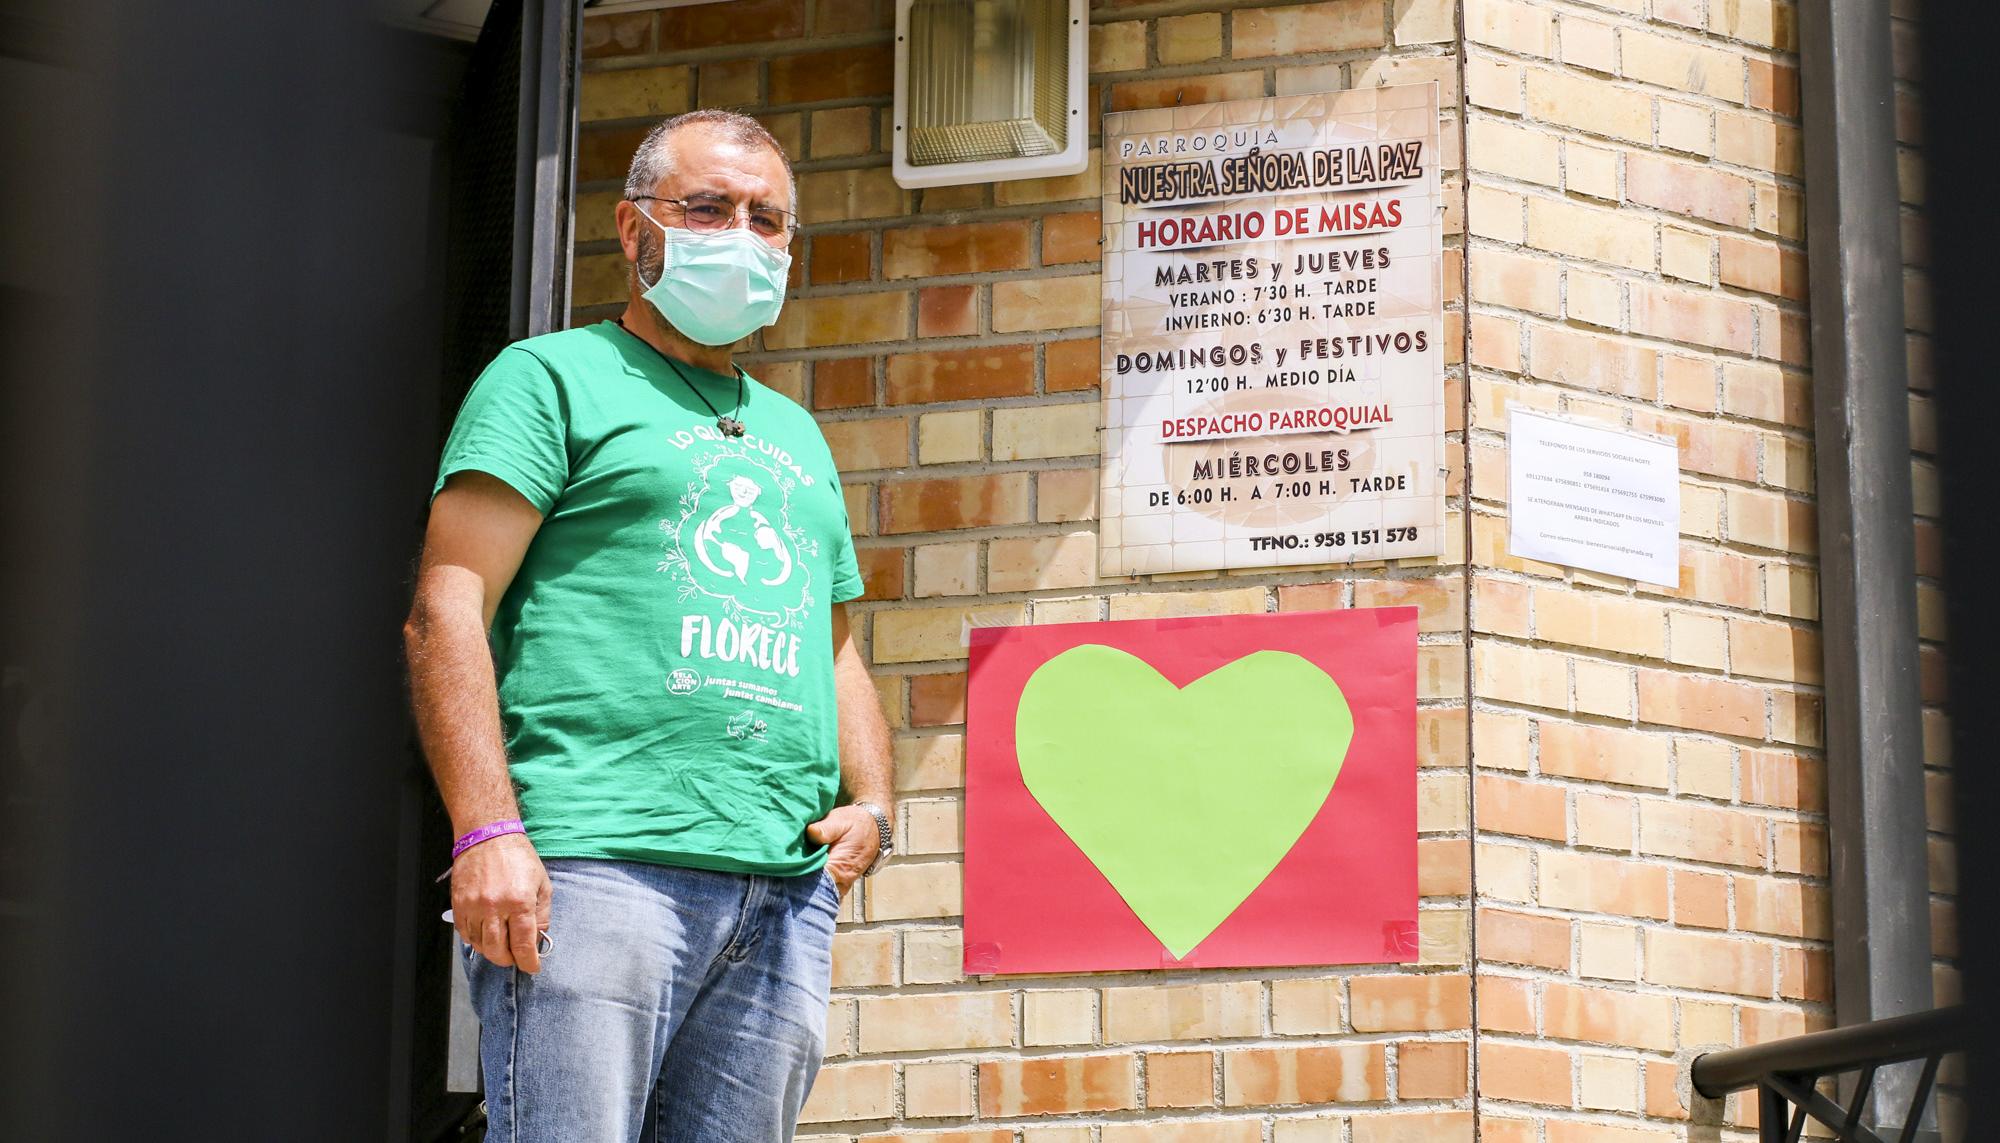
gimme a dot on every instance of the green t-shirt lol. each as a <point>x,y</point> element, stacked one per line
<point>665,653</point>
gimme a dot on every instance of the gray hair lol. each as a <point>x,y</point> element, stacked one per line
<point>654,161</point>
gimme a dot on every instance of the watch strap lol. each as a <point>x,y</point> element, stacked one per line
<point>884,835</point>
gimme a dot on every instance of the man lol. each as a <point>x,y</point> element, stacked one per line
<point>670,704</point>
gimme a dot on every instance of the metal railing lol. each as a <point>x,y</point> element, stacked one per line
<point>1786,1073</point>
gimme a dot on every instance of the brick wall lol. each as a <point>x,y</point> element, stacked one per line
<point>947,339</point>
<point>1651,852</point>
<point>1623,843</point>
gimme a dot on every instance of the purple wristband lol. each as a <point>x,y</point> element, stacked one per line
<point>487,832</point>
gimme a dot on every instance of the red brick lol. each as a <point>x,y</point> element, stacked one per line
<point>937,700</point>
<point>947,311</point>
<point>1187,90</point>
<point>843,73</point>
<point>1687,188</point>
<point>843,383</point>
<point>930,251</point>
<point>1180,1079</point>
<point>881,572</point>
<point>1523,808</point>
<point>1264,1077</point>
<point>840,258</point>
<point>1053,1086</point>
<point>607,153</point>
<point>1071,237</point>
<point>1605,1016</point>
<point>954,502</point>
<point>746,21</point>
<point>1701,703</point>
<point>1071,365</point>
<point>1430,1070</point>
<point>1523,938</point>
<point>1524,1074</point>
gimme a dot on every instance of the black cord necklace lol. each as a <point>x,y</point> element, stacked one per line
<point>727,426</point>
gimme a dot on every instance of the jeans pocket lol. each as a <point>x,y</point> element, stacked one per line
<point>828,887</point>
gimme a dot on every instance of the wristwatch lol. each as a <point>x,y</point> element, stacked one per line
<point>883,834</point>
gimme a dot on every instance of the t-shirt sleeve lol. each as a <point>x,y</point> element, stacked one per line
<point>847,582</point>
<point>846,569</point>
<point>512,427</point>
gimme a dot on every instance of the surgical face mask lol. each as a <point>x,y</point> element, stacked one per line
<point>717,286</point>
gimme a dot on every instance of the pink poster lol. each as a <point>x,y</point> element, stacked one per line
<point>1204,792</point>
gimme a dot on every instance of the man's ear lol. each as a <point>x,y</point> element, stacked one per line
<point>626,213</point>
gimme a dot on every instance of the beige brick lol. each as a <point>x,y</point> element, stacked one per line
<point>1687,127</point>
<point>1424,22</point>
<point>1088,184</point>
<point>933,956</point>
<point>1683,65</point>
<point>1429,1126</point>
<point>1588,105</point>
<point>1608,952</point>
<point>931,1090</point>
<point>1189,39</point>
<point>1045,303</point>
<point>841,319</point>
<point>1402,1003</point>
<point>1687,255</point>
<point>850,195</point>
<point>1064,1017</point>
<point>1524,29</point>
<point>1118,47</point>
<point>1604,622</point>
<point>930,826</point>
<point>916,635</point>
<point>1522,938</point>
<point>1522,808</point>
<point>1608,1083</point>
<point>630,93</point>
<point>1589,44</point>
<point>1334,26</point>
<point>851,1091</point>
<point>935,1022</point>
<point>1517,281</point>
<point>1576,357</point>
<point>1590,170</point>
<point>1711,963</point>
<point>864,959</point>
<point>1494,214</point>
<point>1603,754</point>
<point>1506,673</point>
<point>1166,605</point>
<point>1183,1012</point>
<point>1494,83</point>
<point>1034,563</point>
<point>1593,884</point>
<point>912,891</point>
<point>843,131</point>
<point>931,762</point>
<point>1586,232</point>
<point>950,438</point>
<point>1037,432</point>
<point>1306,1007</point>
<point>1594,298</point>
<point>1698,640</point>
<point>1066,495</point>
<point>1514,151</point>
<point>1603,688</point>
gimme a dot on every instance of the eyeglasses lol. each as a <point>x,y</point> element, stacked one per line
<point>703,212</point>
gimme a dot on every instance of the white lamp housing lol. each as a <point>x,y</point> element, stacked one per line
<point>989,90</point>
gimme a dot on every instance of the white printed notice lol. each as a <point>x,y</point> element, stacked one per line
<point>1273,349</point>
<point>1587,496</point>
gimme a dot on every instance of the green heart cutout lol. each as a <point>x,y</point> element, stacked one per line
<point>1185,798</point>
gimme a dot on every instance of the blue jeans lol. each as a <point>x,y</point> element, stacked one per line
<point>677,1006</point>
